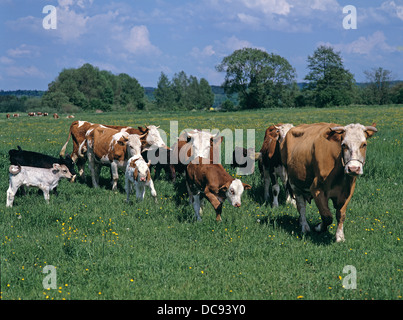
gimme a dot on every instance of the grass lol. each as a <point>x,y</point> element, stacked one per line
<point>103,248</point>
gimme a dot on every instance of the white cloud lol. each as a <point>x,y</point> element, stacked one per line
<point>281,7</point>
<point>20,71</point>
<point>369,46</point>
<point>207,51</point>
<point>393,9</point>
<point>138,41</point>
<point>23,50</point>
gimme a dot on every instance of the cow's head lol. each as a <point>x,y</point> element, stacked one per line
<point>133,144</point>
<point>201,142</point>
<point>153,138</point>
<point>353,141</point>
<point>62,171</point>
<point>233,191</point>
<point>283,129</point>
<point>141,169</point>
<point>68,162</point>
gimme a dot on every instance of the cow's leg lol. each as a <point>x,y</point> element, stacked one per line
<point>266,178</point>
<point>45,191</point>
<point>196,205</point>
<point>153,192</point>
<point>215,203</point>
<point>127,188</point>
<point>114,174</point>
<point>275,190</point>
<point>12,190</point>
<point>322,202</point>
<point>301,206</point>
<point>341,207</point>
<point>93,169</point>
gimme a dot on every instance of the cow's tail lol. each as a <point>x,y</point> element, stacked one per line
<point>63,151</point>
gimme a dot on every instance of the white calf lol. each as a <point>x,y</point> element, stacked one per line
<point>44,179</point>
<point>138,173</point>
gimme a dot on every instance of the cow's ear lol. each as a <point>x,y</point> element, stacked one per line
<point>246,186</point>
<point>225,187</point>
<point>335,133</point>
<point>56,168</point>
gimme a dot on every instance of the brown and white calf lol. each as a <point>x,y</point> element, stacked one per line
<point>215,184</point>
<point>111,147</point>
<point>45,179</point>
<point>194,144</point>
<point>138,174</point>
<point>270,164</point>
<point>323,161</point>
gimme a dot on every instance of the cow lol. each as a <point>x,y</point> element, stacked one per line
<point>107,146</point>
<point>323,161</point>
<point>31,114</point>
<point>8,116</point>
<point>214,183</point>
<point>269,162</point>
<point>21,157</point>
<point>45,179</point>
<point>55,116</point>
<point>16,115</point>
<point>138,174</point>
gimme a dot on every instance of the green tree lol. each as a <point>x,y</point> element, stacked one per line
<point>379,84</point>
<point>329,83</point>
<point>164,94</point>
<point>261,79</point>
<point>206,95</point>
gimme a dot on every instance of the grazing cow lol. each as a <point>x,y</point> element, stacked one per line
<point>8,116</point>
<point>45,114</point>
<point>55,116</point>
<point>138,173</point>
<point>214,183</point>
<point>111,147</point>
<point>34,159</point>
<point>270,164</point>
<point>323,161</point>
<point>44,179</point>
<point>16,115</point>
<point>39,113</point>
<point>31,114</point>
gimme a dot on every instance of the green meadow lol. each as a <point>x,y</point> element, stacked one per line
<point>104,248</point>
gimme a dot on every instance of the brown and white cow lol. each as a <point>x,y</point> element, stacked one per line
<point>193,144</point>
<point>270,164</point>
<point>323,161</point>
<point>107,146</point>
<point>214,183</point>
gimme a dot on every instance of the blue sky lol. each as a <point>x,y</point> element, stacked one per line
<point>144,37</point>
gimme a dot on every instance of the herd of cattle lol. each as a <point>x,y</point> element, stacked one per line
<point>319,161</point>
<point>37,114</point>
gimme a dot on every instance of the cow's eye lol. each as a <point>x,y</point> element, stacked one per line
<point>364,145</point>
<point>343,145</point>
<point>232,191</point>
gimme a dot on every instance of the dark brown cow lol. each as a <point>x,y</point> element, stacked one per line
<point>270,164</point>
<point>323,161</point>
<point>216,184</point>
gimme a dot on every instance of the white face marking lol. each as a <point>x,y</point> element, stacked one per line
<point>354,148</point>
<point>234,192</point>
<point>154,137</point>
<point>142,170</point>
<point>133,145</point>
<point>201,143</point>
<point>284,128</point>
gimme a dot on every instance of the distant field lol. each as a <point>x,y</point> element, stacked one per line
<point>103,248</point>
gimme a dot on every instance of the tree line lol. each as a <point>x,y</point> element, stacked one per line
<point>253,79</point>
